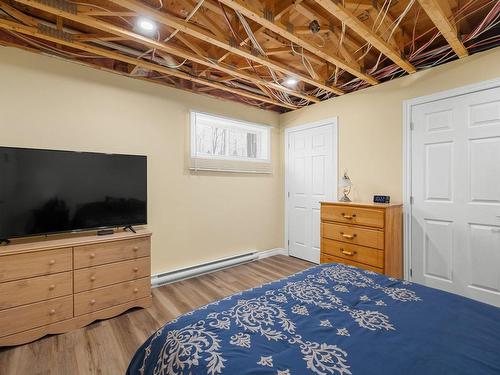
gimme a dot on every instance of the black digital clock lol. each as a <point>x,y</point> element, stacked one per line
<point>381,199</point>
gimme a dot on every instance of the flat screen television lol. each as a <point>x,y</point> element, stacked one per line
<point>48,191</point>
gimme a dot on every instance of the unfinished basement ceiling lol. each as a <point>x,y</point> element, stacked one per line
<point>277,55</point>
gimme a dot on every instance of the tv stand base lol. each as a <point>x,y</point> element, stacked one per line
<point>129,227</point>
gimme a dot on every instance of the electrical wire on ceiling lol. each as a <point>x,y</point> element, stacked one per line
<point>279,95</point>
<point>173,34</point>
<point>423,59</point>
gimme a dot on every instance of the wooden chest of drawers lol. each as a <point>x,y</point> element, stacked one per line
<point>55,286</point>
<point>368,236</point>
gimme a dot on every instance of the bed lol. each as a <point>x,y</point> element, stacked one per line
<point>329,319</point>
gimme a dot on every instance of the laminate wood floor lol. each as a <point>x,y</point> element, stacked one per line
<point>106,347</point>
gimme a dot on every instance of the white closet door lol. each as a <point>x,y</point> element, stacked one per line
<point>311,179</point>
<point>456,192</point>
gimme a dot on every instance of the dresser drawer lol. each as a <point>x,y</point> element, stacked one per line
<point>35,315</point>
<point>35,289</point>
<point>353,215</point>
<point>355,235</point>
<point>361,254</point>
<point>110,252</point>
<point>331,259</point>
<point>113,273</point>
<point>21,266</point>
<point>98,299</point>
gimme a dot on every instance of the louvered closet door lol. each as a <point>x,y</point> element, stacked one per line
<point>310,175</point>
<point>456,190</point>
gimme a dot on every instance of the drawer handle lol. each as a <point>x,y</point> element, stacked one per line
<point>92,255</point>
<point>348,236</point>
<point>92,301</point>
<point>52,312</point>
<point>135,248</point>
<point>92,278</point>
<point>348,217</point>
<point>52,262</point>
<point>136,269</point>
<point>349,253</point>
<point>52,287</point>
<point>136,290</point>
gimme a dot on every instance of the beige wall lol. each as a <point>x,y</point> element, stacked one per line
<point>370,121</point>
<point>195,218</point>
<point>47,103</point>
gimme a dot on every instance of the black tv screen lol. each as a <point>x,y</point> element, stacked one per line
<point>46,191</point>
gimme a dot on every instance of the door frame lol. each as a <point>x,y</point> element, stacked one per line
<point>407,154</point>
<point>333,122</point>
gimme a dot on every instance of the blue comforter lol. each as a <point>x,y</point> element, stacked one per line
<point>329,319</point>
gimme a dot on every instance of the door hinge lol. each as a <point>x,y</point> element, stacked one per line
<point>288,243</point>
<point>411,199</point>
<point>411,273</point>
<point>412,125</point>
<point>288,194</point>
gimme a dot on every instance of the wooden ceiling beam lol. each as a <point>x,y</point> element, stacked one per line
<point>311,15</point>
<point>18,14</point>
<point>154,44</point>
<point>283,7</point>
<point>92,37</point>
<point>103,13</point>
<point>347,17</point>
<point>202,34</point>
<point>437,12</point>
<point>34,32</point>
<point>257,15</point>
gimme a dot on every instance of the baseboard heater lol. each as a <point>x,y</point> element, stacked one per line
<point>185,273</point>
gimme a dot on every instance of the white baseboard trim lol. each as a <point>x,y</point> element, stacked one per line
<point>200,269</point>
<point>272,252</point>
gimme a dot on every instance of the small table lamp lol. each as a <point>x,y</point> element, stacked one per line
<point>345,184</point>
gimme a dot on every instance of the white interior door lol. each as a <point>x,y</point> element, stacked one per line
<point>455,242</point>
<point>311,169</point>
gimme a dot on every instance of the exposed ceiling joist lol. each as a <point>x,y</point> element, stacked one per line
<point>253,51</point>
<point>206,36</point>
<point>281,9</point>
<point>35,32</point>
<point>258,16</point>
<point>437,12</point>
<point>18,14</point>
<point>311,15</point>
<point>347,17</point>
<point>168,48</point>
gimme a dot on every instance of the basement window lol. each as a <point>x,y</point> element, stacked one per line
<point>229,145</point>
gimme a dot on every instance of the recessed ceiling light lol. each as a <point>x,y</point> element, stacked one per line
<point>146,25</point>
<point>290,81</point>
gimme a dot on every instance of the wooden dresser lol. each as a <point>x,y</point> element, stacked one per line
<point>368,236</point>
<point>54,286</point>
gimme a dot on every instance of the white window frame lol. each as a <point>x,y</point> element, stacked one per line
<point>227,122</point>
